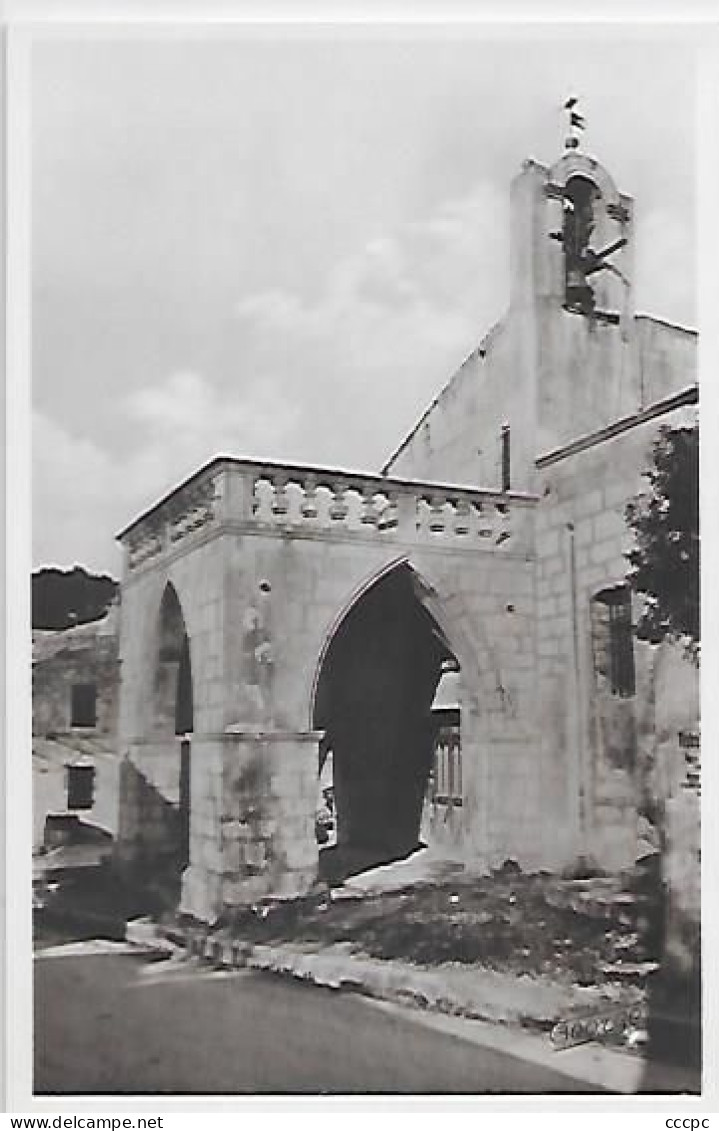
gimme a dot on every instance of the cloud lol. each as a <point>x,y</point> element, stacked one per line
<point>83,493</point>
<point>75,488</point>
<point>396,317</point>
<point>188,412</point>
<point>338,378</point>
<point>435,263</point>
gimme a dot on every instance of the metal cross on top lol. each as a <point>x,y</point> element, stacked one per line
<point>576,122</point>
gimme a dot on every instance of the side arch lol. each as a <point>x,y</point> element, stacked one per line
<point>171,694</point>
<point>155,776</point>
<point>140,634</point>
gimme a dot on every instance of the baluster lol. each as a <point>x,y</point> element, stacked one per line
<point>485,528</point>
<point>188,520</point>
<point>388,517</point>
<point>162,536</point>
<point>338,508</point>
<point>206,502</point>
<point>280,502</point>
<point>370,514</point>
<point>308,508</point>
<point>436,513</point>
<point>256,497</point>
<point>461,517</point>
<point>505,530</point>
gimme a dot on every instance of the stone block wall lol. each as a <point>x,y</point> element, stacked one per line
<point>488,607</point>
<point>582,540</point>
<point>516,821</point>
<point>202,880</point>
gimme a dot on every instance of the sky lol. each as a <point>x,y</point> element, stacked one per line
<point>281,246</point>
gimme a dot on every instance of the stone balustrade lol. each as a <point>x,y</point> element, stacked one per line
<point>188,509</point>
<point>298,500</point>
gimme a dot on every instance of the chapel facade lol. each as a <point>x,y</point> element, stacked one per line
<point>274,614</point>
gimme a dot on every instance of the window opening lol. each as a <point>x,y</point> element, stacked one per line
<point>80,782</point>
<point>506,458</point>
<point>445,787</point>
<point>613,639</point>
<point>84,705</point>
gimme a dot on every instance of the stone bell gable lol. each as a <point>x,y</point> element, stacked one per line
<point>276,613</point>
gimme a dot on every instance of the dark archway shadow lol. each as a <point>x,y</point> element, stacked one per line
<point>339,862</point>
<point>373,700</point>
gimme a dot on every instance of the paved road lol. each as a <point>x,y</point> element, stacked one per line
<point>118,1023</point>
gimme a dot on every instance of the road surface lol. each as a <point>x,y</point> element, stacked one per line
<point>117,1023</point>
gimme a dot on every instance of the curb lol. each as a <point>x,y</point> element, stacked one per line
<point>592,1062</point>
<point>369,976</point>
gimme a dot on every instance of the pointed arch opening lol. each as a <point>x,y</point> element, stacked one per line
<point>387,699</point>
<point>580,198</point>
<point>172,706</point>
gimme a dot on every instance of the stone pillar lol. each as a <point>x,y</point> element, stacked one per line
<point>202,880</point>
<point>269,797</point>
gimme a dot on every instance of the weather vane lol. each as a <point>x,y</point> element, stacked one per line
<point>576,122</point>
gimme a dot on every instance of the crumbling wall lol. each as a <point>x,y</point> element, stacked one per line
<point>86,654</point>
<point>74,659</point>
<point>49,783</point>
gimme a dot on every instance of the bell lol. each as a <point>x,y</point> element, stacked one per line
<point>579,295</point>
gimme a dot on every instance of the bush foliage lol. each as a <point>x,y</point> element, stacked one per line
<point>665,558</point>
<point>61,598</point>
